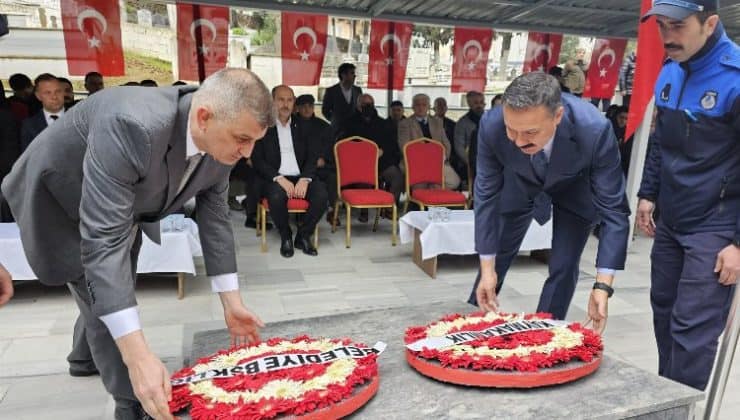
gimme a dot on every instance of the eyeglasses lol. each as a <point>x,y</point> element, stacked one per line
<point>685,4</point>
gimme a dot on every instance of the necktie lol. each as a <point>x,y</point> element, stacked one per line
<point>192,163</point>
<point>425,128</point>
<point>543,201</point>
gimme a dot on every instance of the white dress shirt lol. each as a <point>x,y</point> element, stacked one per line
<point>127,320</point>
<point>47,116</point>
<point>347,94</point>
<point>288,161</point>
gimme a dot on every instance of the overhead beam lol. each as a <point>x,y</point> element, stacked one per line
<point>379,7</point>
<point>578,9</point>
<point>527,10</point>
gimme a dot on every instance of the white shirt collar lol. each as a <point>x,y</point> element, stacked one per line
<point>190,147</point>
<point>286,125</point>
<point>548,148</point>
<point>48,114</point>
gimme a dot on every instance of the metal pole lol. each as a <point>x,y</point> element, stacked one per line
<point>725,354</point>
<point>637,163</point>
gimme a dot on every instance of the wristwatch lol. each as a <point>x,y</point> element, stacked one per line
<point>605,287</point>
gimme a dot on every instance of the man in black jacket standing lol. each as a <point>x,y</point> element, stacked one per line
<point>286,162</point>
<point>340,100</point>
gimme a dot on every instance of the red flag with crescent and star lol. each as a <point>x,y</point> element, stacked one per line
<point>202,35</point>
<point>92,37</point>
<point>603,73</point>
<point>389,54</point>
<point>470,59</point>
<point>543,51</point>
<point>303,47</point>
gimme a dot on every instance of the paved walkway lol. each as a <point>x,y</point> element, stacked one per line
<point>35,328</point>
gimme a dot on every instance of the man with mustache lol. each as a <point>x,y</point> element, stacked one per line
<point>542,152</point>
<point>693,172</point>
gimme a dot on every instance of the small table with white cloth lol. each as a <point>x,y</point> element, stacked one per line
<point>456,236</point>
<point>180,243</point>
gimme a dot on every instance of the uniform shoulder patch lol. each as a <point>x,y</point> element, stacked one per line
<point>731,59</point>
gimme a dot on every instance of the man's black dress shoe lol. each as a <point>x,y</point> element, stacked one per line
<point>252,223</point>
<point>286,248</point>
<point>305,245</point>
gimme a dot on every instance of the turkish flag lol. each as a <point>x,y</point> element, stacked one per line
<point>543,51</point>
<point>470,59</point>
<point>303,47</point>
<point>92,37</point>
<point>603,73</point>
<point>647,69</point>
<point>202,40</point>
<point>389,54</point>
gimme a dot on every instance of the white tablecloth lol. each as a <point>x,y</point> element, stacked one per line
<point>174,255</point>
<point>457,236</point>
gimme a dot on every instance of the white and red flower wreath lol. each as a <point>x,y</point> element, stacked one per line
<point>525,359</point>
<point>317,390</point>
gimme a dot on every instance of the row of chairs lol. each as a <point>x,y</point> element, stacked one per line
<point>357,164</point>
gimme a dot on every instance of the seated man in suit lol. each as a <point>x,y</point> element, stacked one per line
<point>286,162</point>
<point>319,133</point>
<point>544,152</point>
<point>112,168</point>
<point>421,124</point>
<point>51,94</point>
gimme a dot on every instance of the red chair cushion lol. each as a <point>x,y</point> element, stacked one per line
<point>367,197</point>
<point>293,204</point>
<point>425,162</point>
<point>357,161</point>
<point>436,197</point>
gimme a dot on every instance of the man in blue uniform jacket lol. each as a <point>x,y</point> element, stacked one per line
<point>693,172</point>
<point>544,152</point>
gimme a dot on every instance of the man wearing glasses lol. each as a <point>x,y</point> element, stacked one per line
<point>693,172</point>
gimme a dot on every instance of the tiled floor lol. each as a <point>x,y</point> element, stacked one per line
<point>35,328</point>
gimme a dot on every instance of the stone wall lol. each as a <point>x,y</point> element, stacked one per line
<point>149,41</point>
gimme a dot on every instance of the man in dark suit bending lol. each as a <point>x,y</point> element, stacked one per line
<point>545,153</point>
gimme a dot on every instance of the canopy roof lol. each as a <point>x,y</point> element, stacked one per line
<point>613,18</point>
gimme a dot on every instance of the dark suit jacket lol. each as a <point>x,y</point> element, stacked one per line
<point>584,178</point>
<point>9,144</point>
<point>319,133</point>
<point>266,154</point>
<point>335,107</point>
<point>32,127</point>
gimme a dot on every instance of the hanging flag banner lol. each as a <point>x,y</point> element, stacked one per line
<point>303,46</point>
<point>202,40</point>
<point>647,69</point>
<point>389,54</point>
<point>92,37</point>
<point>543,51</point>
<point>603,72</point>
<point>470,59</point>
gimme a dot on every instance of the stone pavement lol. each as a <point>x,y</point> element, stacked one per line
<point>36,326</point>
